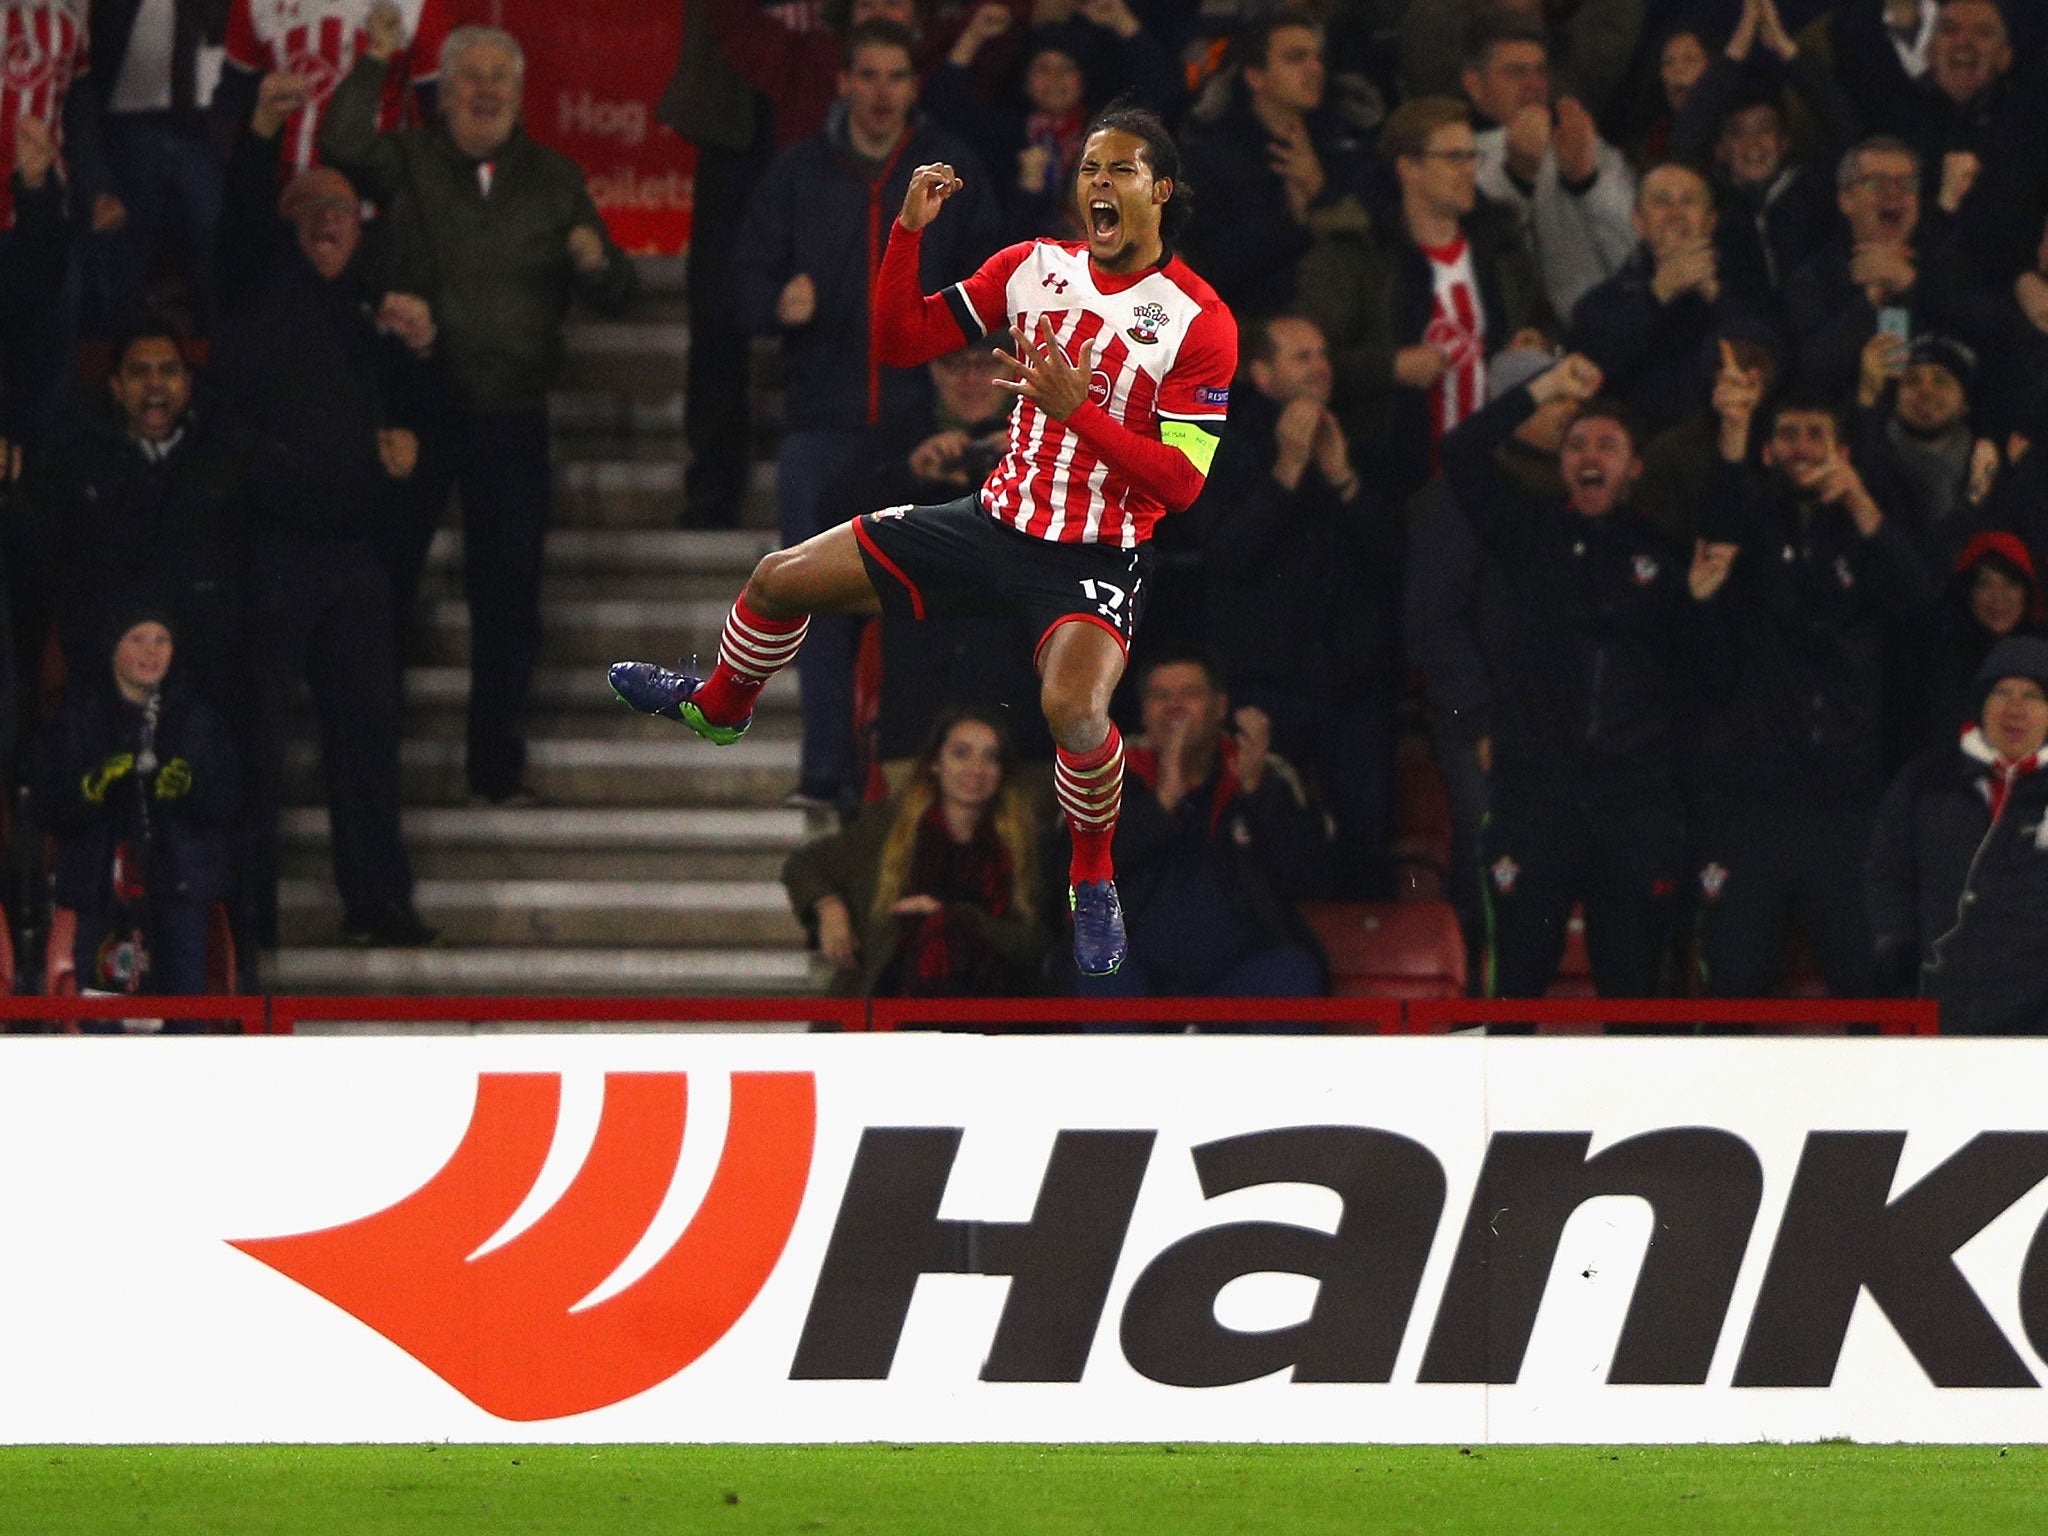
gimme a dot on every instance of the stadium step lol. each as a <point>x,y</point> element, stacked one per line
<point>636,913</point>
<point>653,864</point>
<point>607,971</point>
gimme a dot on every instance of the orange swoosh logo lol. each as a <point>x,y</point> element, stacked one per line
<point>498,1327</point>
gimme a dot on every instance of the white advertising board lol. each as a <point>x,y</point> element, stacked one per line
<point>788,1238</point>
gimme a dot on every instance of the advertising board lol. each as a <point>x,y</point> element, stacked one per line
<point>948,1237</point>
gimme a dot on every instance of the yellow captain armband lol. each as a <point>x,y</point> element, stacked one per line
<point>1199,445</point>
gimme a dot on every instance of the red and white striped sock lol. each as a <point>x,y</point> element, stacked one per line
<point>751,651</point>
<point>1090,788</point>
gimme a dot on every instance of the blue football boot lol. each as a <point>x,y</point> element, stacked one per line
<point>1099,943</point>
<point>657,691</point>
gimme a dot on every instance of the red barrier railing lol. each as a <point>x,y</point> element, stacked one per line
<point>1343,1015</point>
<point>1802,1015</point>
<point>286,1013</point>
<point>1338,1015</point>
<point>250,1014</point>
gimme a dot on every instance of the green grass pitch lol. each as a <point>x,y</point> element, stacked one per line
<point>990,1490</point>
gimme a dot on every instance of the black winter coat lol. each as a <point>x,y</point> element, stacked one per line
<point>107,526</point>
<point>1243,238</point>
<point>817,211</point>
<point>1661,358</point>
<point>1963,898</point>
<point>1302,587</point>
<point>188,847</point>
<point>496,268</point>
<point>302,363</point>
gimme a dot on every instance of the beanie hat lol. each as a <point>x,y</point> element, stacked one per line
<point>2014,656</point>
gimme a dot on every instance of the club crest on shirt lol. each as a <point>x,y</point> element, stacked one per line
<point>1505,872</point>
<point>1713,879</point>
<point>1646,569</point>
<point>1150,318</point>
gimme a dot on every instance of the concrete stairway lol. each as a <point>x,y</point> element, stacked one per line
<point>652,866</point>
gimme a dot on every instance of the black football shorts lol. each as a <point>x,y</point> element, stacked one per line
<point>955,558</point>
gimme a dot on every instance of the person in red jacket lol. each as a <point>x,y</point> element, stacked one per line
<point>1123,368</point>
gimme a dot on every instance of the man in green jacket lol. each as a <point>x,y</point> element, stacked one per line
<point>498,233</point>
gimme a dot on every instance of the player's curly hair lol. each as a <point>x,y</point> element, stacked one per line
<point>1162,155</point>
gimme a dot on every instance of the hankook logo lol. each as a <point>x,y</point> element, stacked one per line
<point>503,1325</point>
<point>508,1325</point>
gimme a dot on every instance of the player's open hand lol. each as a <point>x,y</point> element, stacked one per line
<point>1044,375</point>
<point>930,186</point>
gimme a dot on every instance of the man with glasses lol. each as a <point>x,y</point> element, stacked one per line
<point>1542,159</point>
<point>1889,269</point>
<point>1412,309</point>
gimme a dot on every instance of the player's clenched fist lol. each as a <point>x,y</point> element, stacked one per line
<point>930,186</point>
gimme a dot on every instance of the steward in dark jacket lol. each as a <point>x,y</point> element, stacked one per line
<point>1791,765</point>
<point>1958,868</point>
<point>1584,794</point>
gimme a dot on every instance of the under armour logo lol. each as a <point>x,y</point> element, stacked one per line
<point>517,1319</point>
<point>1056,283</point>
<point>1107,596</point>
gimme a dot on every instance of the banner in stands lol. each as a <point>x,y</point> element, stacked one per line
<point>595,71</point>
<point>807,1238</point>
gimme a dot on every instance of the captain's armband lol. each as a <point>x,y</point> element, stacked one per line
<point>1198,443</point>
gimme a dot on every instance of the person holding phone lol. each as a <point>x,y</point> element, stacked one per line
<point>1896,268</point>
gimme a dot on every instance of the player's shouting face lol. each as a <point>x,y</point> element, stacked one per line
<point>1120,201</point>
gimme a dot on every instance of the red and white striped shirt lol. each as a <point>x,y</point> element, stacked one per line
<point>318,40</point>
<point>1457,326</point>
<point>42,50</point>
<point>1165,350</point>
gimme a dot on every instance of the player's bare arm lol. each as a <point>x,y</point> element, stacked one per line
<point>930,186</point>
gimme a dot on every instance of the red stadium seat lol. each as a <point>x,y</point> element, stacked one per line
<point>1397,949</point>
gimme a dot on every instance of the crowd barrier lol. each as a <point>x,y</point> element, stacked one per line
<point>282,1015</point>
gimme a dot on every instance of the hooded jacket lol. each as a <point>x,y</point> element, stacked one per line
<point>1964,645</point>
<point>1958,873</point>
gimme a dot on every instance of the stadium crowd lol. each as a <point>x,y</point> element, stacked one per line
<point>1637,404</point>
